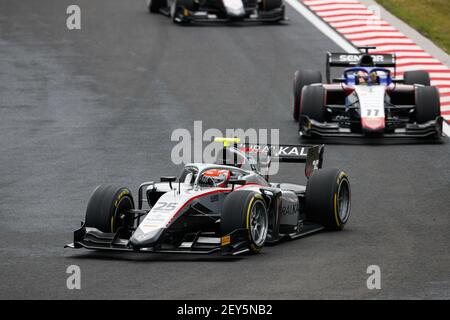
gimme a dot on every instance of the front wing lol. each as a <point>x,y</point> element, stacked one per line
<point>235,243</point>
<point>275,15</point>
<point>311,128</point>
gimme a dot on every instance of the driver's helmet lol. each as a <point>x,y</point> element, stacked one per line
<point>215,178</point>
<point>362,78</point>
<point>374,78</point>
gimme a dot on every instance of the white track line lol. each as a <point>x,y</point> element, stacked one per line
<point>335,36</point>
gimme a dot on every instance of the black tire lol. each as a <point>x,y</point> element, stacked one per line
<point>417,77</point>
<point>312,103</point>
<point>155,5</point>
<point>268,5</point>
<point>302,79</point>
<point>327,198</point>
<point>236,214</point>
<point>428,105</point>
<point>105,207</point>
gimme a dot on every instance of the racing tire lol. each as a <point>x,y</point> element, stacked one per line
<point>417,77</point>
<point>428,106</point>
<point>268,5</point>
<point>245,209</point>
<point>327,198</point>
<point>302,79</point>
<point>155,5</point>
<point>106,207</point>
<point>312,103</point>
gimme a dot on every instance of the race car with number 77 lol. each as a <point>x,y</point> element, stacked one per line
<point>367,101</point>
<point>229,206</point>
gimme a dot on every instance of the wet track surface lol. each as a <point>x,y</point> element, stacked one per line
<point>79,108</point>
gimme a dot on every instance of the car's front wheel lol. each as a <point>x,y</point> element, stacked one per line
<point>417,77</point>
<point>268,5</point>
<point>246,210</point>
<point>303,78</point>
<point>313,103</point>
<point>107,207</point>
<point>428,106</point>
<point>155,5</point>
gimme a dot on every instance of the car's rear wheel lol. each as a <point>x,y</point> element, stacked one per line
<point>106,209</point>
<point>303,78</point>
<point>327,198</point>
<point>417,77</point>
<point>428,105</point>
<point>155,5</point>
<point>246,210</point>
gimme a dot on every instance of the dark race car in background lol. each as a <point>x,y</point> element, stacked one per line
<point>228,206</point>
<point>368,100</point>
<point>185,11</point>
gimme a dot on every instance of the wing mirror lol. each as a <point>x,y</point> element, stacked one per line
<point>233,182</point>
<point>169,179</point>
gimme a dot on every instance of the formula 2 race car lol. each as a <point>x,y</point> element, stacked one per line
<point>367,101</point>
<point>228,206</point>
<point>185,11</point>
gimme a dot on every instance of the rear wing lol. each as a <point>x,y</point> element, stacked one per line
<point>312,156</point>
<point>345,59</point>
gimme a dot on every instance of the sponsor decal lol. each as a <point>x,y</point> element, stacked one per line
<point>355,57</point>
<point>225,240</point>
<point>290,210</point>
<point>276,151</point>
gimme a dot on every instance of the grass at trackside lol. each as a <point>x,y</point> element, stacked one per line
<point>430,17</point>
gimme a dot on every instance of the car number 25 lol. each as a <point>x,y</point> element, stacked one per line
<point>165,206</point>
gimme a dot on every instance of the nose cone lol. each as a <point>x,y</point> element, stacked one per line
<point>234,8</point>
<point>144,239</point>
<point>373,124</point>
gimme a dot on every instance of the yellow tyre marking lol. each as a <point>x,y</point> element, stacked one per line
<point>116,203</point>
<point>336,211</point>
<point>248,214</point>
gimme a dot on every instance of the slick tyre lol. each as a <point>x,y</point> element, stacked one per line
<point>268,5</point>
<point>312,103</point>
<point>327,198</point>
<point>106,208</point>
<point>246,210</point>
<point>416,77</point>
<point>155,5</point>
<point>427,104</point>
<point>303,78</point>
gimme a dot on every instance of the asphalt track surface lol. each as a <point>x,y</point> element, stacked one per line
<point>79,108</point>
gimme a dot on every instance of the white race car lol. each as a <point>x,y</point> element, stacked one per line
<point>367,100</point>
<point>228,206</point>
